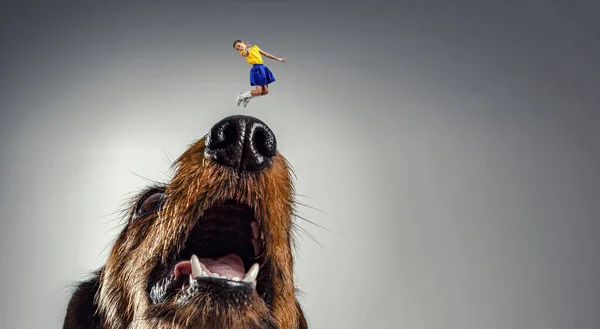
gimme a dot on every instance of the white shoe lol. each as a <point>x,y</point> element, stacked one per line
<point>246,101</point>
<point>239,99</point>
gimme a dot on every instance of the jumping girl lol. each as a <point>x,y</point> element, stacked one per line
<point>260,75</point>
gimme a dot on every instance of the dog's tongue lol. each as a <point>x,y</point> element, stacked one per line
<point>229,266</point>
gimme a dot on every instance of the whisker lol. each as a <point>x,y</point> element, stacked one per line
<point>108,246</point>
<point>303,230</point>
<point>311,207</point>
<point>146,178</point>
<point>291,168</point>
<point>315,224</point>
<point>123,208</point>
<point>302,195</point>
<point>169,158</point>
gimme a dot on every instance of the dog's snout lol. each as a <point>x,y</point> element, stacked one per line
<point>241,142</point>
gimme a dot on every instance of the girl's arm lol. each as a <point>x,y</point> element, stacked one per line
<point>247,51</point>
<point>267,55</point>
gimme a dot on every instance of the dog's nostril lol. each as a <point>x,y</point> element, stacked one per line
<point>264,142</point>
<point>222,136</point>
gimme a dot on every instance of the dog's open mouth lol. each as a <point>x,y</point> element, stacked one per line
<point>221,253</point>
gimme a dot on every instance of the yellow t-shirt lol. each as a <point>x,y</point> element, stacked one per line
<point>254,56</point>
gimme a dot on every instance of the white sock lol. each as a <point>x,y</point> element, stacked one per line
<point>246,95</point>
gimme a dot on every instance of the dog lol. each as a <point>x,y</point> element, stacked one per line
<point>211,249</point>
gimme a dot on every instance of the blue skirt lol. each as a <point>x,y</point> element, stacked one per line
<point>260,75</point>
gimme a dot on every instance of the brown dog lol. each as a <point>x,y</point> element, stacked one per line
<point>211,249</point>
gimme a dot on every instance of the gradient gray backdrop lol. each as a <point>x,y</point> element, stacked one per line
<point>452,147</point>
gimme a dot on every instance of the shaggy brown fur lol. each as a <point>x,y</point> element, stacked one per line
<point>159,223</point>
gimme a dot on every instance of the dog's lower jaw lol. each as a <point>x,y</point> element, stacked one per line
<point>254,317</point>
<point>83,313</point>
<point>209,307</point>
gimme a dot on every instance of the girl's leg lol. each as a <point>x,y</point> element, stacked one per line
<point>245,97</point>
<point>265,90</point>
<point>259,91</point>
<point>253,93</point>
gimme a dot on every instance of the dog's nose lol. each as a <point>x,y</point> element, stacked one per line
<point>241,142</point>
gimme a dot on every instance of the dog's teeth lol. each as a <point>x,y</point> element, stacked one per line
<point>252,274</point>
<point>235,278</point>
<point>203,274</point>
<point>215,275</point>
<point>196,268</point>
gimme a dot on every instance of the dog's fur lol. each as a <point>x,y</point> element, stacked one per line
<point>116,296</point>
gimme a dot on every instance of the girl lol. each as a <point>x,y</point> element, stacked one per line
<point>260,75</point>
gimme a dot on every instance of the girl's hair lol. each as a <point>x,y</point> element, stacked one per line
<point>240,41</point>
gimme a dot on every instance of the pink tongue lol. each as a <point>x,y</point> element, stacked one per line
<point>229,266</point>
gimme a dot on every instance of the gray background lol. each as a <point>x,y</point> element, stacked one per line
<point>452,147</point>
